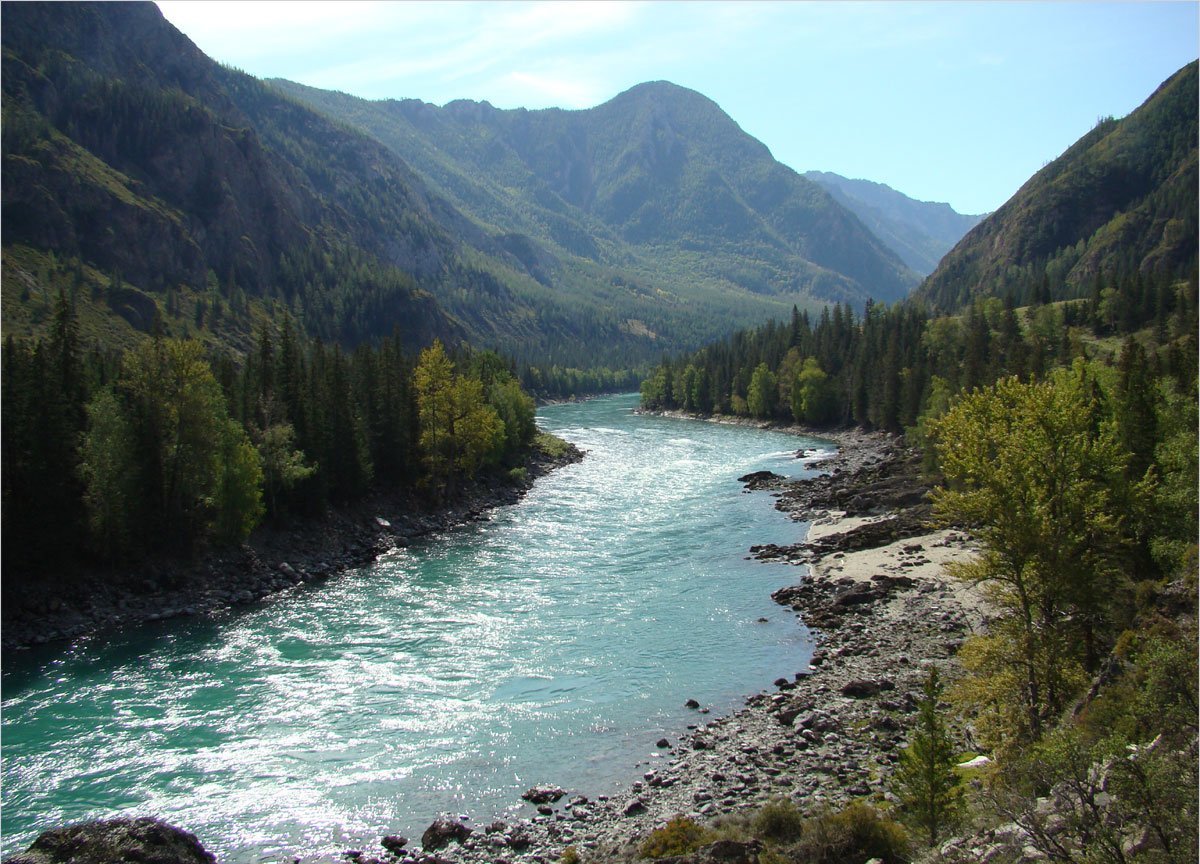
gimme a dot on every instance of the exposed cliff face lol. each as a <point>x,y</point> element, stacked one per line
<point>128,149</point>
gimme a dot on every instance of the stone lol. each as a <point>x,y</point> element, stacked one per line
<point>145,839</point>
<point>545,794</point>
<point>662,744</point>
<point>860,688</point>
<point>394,843</point>
<point>443,832</point>
<point>634,807</point>
<point>729,852</point>
<point>691,703</point>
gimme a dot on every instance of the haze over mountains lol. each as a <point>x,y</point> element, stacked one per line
<point>920,232</point>
<point>155,184</point>
<point>658,176</point>
<point>173,187</point>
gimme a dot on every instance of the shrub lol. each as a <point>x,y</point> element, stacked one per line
<point>679,836</point>
<point>518,477</point>
<point>851,836</point>
<point>570,855</point>
<point>780,821</point>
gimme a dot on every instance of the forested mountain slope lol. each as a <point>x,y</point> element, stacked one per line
<point>920,232</point>
<point>1121,201</point>
<point>658,180</point>
<point>134,162</point>
<point>153,184</point>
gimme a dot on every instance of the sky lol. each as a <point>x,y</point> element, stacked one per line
<point>945,101</point>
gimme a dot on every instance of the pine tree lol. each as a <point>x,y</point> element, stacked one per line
<point>925,781</point>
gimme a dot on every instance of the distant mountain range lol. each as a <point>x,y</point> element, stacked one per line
<point>920,232</point>
<point>164,190</point>
<point>160,186</point>
<point>1120,201</point>
<point>659,178</point>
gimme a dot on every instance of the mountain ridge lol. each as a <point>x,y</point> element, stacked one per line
<point>920,232</point>
<point>157,185</point>
<point>1120,200</point>
<point>632,166</point>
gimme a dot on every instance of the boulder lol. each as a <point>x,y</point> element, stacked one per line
<point>861,689</point>
<point>394,843</point>
<point>443,832</point>
<point>544,794</point>
<point>145,840</point>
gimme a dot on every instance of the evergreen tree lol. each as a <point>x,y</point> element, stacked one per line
<point>924,780</point>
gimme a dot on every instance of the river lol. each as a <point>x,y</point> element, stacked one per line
<point>555,642</point>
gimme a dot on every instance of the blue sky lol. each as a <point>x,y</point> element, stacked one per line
<point>945,101</point>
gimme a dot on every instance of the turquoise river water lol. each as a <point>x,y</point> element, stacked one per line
<point>553,643</point>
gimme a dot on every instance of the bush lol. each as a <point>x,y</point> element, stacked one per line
<point>570,855</point>
<point>518,477</point>
<point>851,836</point>
<point>679,836</point>
<point>780,821</point>
<point>551,445</point>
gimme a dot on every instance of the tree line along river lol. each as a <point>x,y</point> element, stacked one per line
<point>554,642</point>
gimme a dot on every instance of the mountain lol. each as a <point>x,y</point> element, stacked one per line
<point>1122,200</point>
<point>920,232</point>
<point>658,180</point>
<point>136,165</point>
<point>163,190</point>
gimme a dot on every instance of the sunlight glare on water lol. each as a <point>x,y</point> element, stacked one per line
<point>554,642</point>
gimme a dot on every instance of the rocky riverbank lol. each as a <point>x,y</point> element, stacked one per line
<point>272,560</point>
<point>884,610</point>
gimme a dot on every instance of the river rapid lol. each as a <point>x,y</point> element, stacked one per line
<point>555,642</point>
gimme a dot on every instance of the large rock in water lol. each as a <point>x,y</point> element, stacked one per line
<point>544,794</point>
<point>442,832</point>
<point>144,840</point>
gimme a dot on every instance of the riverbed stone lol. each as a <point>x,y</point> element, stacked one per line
<point>443,832</point>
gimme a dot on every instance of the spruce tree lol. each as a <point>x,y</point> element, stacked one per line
<point>925,781</point>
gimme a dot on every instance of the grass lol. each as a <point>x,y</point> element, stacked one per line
<point>551,445</point>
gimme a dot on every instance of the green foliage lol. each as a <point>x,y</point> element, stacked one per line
<point>1105,793</point>
<point>551,445</point>
<point>570,855</point>
<point>924,780</point>
<point>106,466</point>
<point>458,428</point>
<point>679,836</point>
<point>779,821</point>
<point>850,836</point>
<point>238,497</point>
<point>166,448</point>
<point>763,394</point>
<point>1175,509</point>
<point>1032,469</point>
<point>814,400</point>
<point>283,467</point>
<point>515,409</point>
